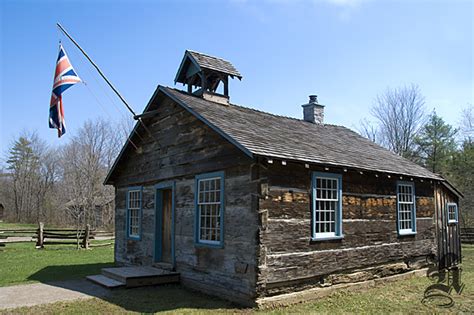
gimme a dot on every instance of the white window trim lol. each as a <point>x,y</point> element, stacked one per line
<point>221,203</point>
<point>337,234</point>
<point>411,231</point>
<point>129,218</point>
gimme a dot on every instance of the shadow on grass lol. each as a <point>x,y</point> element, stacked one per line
<point>67,272</point>
<point>149,299</point>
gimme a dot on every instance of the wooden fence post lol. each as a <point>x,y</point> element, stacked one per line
<point>40,236</point>
<point>85,241</point>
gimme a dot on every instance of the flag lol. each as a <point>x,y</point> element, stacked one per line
<point>64,78</point>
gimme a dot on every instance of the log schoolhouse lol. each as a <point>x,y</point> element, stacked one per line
<point>248,205</point>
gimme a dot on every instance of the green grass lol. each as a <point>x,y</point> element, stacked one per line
<point>22,263</point>
<point>14,226</point>
<point>405,296</point>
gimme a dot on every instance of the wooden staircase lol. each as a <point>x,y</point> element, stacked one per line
<point>131,277</point>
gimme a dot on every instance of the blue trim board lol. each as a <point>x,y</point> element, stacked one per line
<point>157,253</point>
<point>205,121</point>
<point>186,56</point>
<point>127,225</point>
<point>190,110</point>
<point>197,243</point>
<point>127,142</point>
<point>338,226</point>
<point>413,213</point>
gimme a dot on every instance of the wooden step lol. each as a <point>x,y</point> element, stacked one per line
<point>163,265</point>
<point>141,276</point>
<point>105,281</point>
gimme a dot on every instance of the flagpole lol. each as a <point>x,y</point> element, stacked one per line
<point>98,70</point>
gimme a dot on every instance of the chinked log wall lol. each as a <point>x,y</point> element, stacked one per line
<point>182,147</point>
<point>290,260</point>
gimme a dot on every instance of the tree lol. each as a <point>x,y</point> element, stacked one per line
<point>460,171</point>
<point>23,165</point>
<point>32,168</point>
<point>467,124</point>
<point>435,143</point>
<point>86,160</point>
<point>399,113</point>
<point>369,130</point>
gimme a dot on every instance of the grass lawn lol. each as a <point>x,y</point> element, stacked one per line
<point>406,296</point>
<point>22,263</point>
<point>13,226</point>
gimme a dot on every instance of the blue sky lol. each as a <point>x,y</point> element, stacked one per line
<point>345,51</point>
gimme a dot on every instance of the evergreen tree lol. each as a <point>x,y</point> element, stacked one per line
<point>460,172</point>
<point>23,165</point>
<point>435,143</point>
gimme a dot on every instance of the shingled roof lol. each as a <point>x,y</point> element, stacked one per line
<point>259,133</point>
<point>204,61</point>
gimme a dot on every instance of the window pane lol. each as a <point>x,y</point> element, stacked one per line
<point>134,204</point>
<point>326,205</point>
<point>209,205</point>
<point>406,206</point>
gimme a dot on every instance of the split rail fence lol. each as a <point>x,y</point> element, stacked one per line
<point>467,235</point>
<point>56,236</point>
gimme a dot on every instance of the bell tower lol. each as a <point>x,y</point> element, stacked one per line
<point>203,74</point>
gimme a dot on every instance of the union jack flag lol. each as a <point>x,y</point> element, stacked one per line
<point>64,78</point>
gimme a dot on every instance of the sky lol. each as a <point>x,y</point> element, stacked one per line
<point>347,52</point>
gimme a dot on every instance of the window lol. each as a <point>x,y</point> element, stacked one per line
<point>452,212</point>
<point>134,202</point>
<point>406,208</point>
<point>209,208</point>
<point>327,206</point>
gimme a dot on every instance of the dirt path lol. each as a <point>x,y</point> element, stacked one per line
<point>45,293</point>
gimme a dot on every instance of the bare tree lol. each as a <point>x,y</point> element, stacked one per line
<point>466,124</point>
<point>369,130</point>
<point>87,159</point>
<point>400,113</point>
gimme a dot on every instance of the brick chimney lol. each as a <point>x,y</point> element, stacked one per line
<point>313,112</point>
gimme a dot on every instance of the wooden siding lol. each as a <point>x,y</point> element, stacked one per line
<point>448,234</point>
<point>287,252</point>
<point>181,147</point>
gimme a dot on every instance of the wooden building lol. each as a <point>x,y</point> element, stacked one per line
<point>247,205</point>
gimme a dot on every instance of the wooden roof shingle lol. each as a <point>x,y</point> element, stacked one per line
<point>264,134</point>
<point>214,63</point>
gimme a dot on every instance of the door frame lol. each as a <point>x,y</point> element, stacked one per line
<point>157,245</point>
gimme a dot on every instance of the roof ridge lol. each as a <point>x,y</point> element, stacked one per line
<point>204,54</point>
<point>257,110</point>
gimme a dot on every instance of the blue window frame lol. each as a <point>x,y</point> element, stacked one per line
<point>452,209</point>
<point>326,206</point>
<point>406,208</point>
<point>134,213</point>
<point>209,205</point>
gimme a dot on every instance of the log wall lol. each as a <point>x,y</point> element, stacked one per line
<point>179,148</point>
<point>289,258</point>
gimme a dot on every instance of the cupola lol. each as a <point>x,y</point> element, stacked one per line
<point>203,74</point>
